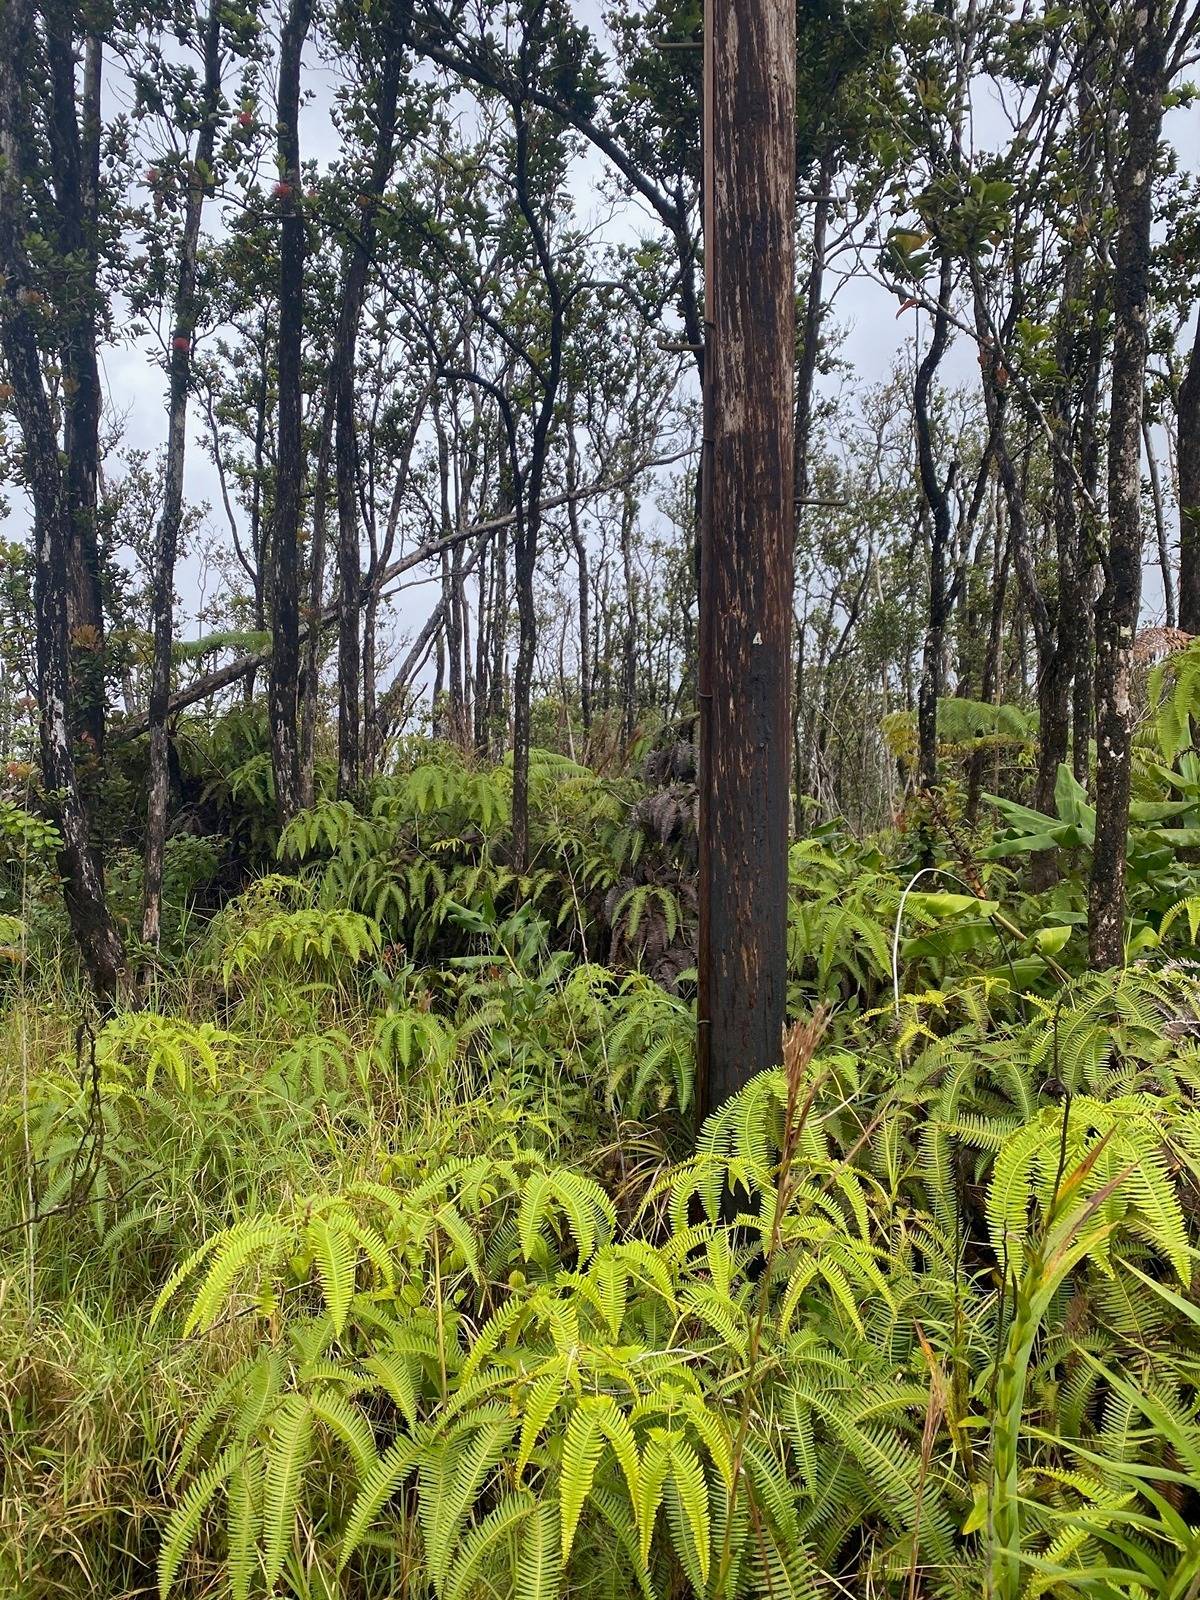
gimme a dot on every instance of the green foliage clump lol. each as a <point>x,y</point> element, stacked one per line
<point>376,1252</point>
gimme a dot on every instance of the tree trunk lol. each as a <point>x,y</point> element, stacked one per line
<point>937,501</point>
<point>289,460</point>
<point>316,604</point>
<point>989,689</point>
<point>83,880</point>
<point>260,557</point>
<point>345,449</point>
<point>464,630</point>
<point>1188,437</point>
<point>1055,657</point>
<point>747,540</point>
<point>579,545</point>
<point>496,716</point>
<point>371,734</point>
<point>349,563</point>
<point>167,544</point>
<point>1077,353</point>
<point>629,641</point>
<point>1054,662</point>
<point>525,552</point>
<point>75,154</point>
<point>1117,609</point>
<point>483,612</point>
<point>458,644</point>
<point>451,593</point>
<point>528,496</point>
<point>1087,428</point>
<point>1060,661</point>
<point>394,703</point>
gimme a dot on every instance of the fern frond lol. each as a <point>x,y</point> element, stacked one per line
<point>184,1521</point>
<point>380,1483</point>
<point>496,1529</point>
<point>582,1448</point>
<point>287,1455</point>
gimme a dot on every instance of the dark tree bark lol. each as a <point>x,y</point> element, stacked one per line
<point>747,540</point>
<point>990,682</point>
<point>451,591</point>
<point>1053,618</point>
<point>316,604</point>
<point>444,715</point>
<point>1188,440</point>
<point>464,628</point>
<point>629,640</point>
<point>1061,664</point>
<point>799,750</point>
<point>936,496</point>
<point>1078,352</point>
<point>289,460</point>
<point>379,570</point>
<point>349,565</point>
<point>1088,432</point>
<point>75,153</point>
<point>167,541</point>
<point>353,656</point>
<point>528,487</point>
<point>455,640</point>
<point>1117,608</point>
<point>254,562</point>
<point>1053,682</point>
<point>83,880</point>
<point>579,545</point>
<point>370,741</point>
<point>1052,637</point>
<point>483,655</point>
<point>1062,637</point>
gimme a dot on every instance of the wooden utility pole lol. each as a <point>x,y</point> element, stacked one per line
<point>746,541</point>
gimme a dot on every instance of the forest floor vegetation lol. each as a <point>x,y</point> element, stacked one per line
<point>375,1254</point>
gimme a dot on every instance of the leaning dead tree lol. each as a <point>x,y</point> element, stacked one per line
<point>747,523</point>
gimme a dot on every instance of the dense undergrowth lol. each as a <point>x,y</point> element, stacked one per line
<point>375,1254</point>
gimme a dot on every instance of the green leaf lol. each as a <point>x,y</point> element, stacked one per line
<point>941,905</point>
<point>538,1563</point>
<point>687,1475</point>
<point>581,1454</point>
<point>392,1468</point>
<point>287,1456</point>
<point>335,1256</point>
